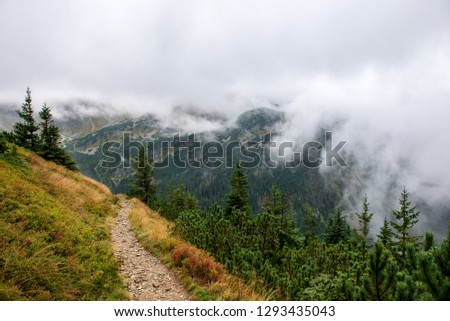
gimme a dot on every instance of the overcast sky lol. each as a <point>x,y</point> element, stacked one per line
<point>382,67</point>
<point>148,54</point>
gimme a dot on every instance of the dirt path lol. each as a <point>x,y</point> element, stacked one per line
<point>146,278</point>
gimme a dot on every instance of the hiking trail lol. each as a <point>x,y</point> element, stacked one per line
<point>145,277</point>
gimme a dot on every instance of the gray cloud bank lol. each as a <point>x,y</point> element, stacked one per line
<point>213,54</point>
<point>380,68</point>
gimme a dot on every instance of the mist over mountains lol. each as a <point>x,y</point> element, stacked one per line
<point>381,177</point>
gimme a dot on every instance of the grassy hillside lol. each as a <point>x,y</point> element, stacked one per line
<point>54,234</point>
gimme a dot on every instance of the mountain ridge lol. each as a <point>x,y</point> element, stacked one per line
<point>209,185</point>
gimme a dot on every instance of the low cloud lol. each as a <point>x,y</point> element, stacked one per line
<point>376,72</point>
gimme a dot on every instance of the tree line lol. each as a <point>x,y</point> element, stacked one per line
<point>339,264</point>
<point>43,137</point>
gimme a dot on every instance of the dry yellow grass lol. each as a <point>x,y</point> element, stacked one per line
<point>64,183</point>
<point>154,232</point>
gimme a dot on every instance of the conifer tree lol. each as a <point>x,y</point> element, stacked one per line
<point>405,288</point>
<point>237,207</point>
<point>222,237</point>
<point>142,184</point>
<point>26,132</point>
<point>279,207</point>
<point>179,200</point>
<point>50,135</point>
<point>404,219</point>
<point>380,283</point>
<point>3,143</point>
<point>385,235</point>
<point>337,229</point>
<point>437,282</point>
<point>191,227</point>
<point>46,123</point>
<point>435,270</point>
<point>310,222</point>
<point>49,142</point>
<point>429,242</point>
<point>364,219</point>
<point>275,227</point>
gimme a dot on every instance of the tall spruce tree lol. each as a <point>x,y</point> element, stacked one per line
<point>404,219</point>
<point>275,227</point>
<point>50,135</point>
<point>50,138</point>
<point>364,219</point>
<point>337,229</point>
<point>46,122</point>
<point>311,218</point>
<point>26,132</point>
<point>429,242</point>
<point>385,235</point>
<point>237,208</point>
<point>142,184</point>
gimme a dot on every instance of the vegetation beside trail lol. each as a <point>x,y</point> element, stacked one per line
<point>54,232</point>
<point>267,250</point>
<point>201,274</point>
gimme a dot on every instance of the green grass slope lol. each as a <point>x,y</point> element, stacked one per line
<point>54,234</point>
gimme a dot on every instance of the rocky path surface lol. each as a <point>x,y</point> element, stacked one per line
<point>146,278</point>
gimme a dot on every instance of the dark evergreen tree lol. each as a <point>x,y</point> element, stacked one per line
<point>364,219</point>
<point>179,200</point>
<point>223,237</point>
<point>406,288</point>
<point>26,132</point>
<point>337,229</point>
<point>429,242</point>
<point>142,185</point>
<point>435,270</point>
<point>50,138</point>
<point>385,235</point>
<point>437,282</point>
<point>404,219</point>
<point>237,208</point>
<point>275,227</point>
<point>311,218</point>
<point>380,283</point>
<point>3,143</point>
